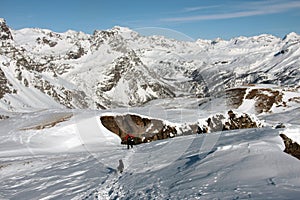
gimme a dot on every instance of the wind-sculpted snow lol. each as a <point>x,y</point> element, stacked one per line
<point>79,161</point>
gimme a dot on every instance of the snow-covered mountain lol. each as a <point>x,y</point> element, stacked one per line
<point>67,100</point>
<point>119,67</point>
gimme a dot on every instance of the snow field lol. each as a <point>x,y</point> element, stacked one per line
<point>77,159</point>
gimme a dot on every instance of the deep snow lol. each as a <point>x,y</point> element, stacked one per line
<point>78,158</point>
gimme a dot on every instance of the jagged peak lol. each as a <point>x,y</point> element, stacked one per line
<point>124,32</point>
<point>4,30</point>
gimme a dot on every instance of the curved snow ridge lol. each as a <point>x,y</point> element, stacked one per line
<point>52,131</point>
<point>47,121</point>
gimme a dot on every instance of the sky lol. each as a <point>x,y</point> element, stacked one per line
<point>185,19</point>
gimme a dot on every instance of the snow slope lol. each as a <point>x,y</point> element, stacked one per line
<point>77,159</point>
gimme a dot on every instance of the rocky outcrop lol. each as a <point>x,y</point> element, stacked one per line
<point>291,147</point>
<point>235,97</point>
<point>5,33</point>
<point>75,55</point>
<point>2,117</point>
<point>44,40</point>
<point>229,121</point>
<point>144,129</point>
<point>4,85</point>
<point>148,129</point>
<point>264,98</point>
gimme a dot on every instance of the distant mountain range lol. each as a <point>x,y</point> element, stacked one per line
<point>118,67</point>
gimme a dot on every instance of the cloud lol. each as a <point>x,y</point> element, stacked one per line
<point>246,10</point>
<point>197,8</point>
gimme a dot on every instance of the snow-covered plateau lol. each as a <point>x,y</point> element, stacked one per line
<point>213,119</point>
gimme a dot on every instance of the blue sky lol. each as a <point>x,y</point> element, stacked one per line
<point>205,19</point>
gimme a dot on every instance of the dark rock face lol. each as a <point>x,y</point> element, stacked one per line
<point>241,122</point>
<point>235,97</point>
<point>75,55</point>
<point>147,130</point>
<point>5,33</point>
<point>44,40</point>
<point>232,121</point>
<point>265,98</point>
<point>4,84</point>
<point>291,147</point>
<point>144,129</point>
<point>2,117</point>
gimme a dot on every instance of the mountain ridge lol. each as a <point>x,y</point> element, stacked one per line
<point>119,67</point>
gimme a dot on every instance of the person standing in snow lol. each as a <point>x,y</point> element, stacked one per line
<point>130,140</point>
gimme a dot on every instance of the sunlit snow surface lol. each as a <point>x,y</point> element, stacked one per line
<point>78,158</point>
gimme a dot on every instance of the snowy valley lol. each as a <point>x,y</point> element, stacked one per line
<point>214,119</point>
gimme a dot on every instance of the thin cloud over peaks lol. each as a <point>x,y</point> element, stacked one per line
<point>197,8</point>
<point>242,10</point>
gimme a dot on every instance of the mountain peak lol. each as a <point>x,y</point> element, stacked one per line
<point>125,32</point>
<point>121,29</point>
<point>5,33</point>
<point>291,36</point>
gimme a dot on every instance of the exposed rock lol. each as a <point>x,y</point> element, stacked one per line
<point>280,125</point>
<point>5,33</point>
<point>235,97</point>
<point>75,55</point>
<point>2,117</point>
<point>281,52</point>
<point>231,121</point>
<point>147,129</point>
<point>144,129</point>
<point>294,99</point>
<point>4,85</point>
<point>265,98</point>
<point>292,148</point>
<point>44,40</point>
